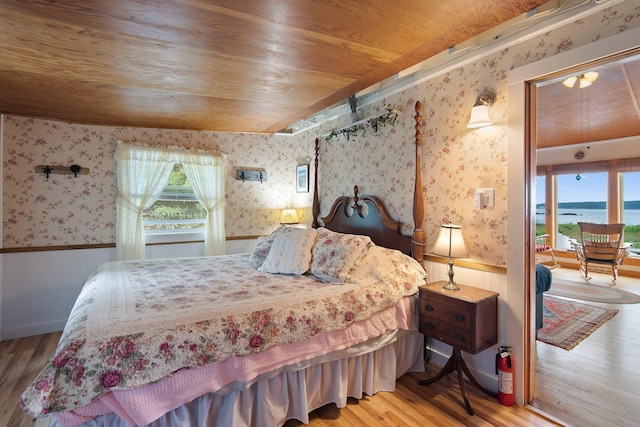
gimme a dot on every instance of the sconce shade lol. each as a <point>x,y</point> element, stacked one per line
<point>450,242</point>
<point>289,216</point>
<point>479,117</point>
<point>480,111</point>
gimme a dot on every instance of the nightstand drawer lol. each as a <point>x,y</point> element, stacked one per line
<point>445,333</point>
<point>456,314</point>
<point>466,318</point>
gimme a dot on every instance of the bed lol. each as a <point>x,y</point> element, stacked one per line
<point>310,317</point>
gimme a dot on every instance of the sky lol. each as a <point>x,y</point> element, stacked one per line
<point>591,187</point>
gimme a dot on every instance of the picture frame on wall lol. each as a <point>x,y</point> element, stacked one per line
<point>302,178</point>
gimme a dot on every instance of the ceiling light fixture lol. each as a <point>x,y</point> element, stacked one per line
<point>586,80</point>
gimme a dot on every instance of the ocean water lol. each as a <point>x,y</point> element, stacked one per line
<point>573,216</point>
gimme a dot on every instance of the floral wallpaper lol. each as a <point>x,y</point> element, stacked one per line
<point>68,210</point>
<point>456,160</point>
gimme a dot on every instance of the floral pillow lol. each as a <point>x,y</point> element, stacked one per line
<point>290,252</point>
<point>263,245</point>
<point>335,254</point>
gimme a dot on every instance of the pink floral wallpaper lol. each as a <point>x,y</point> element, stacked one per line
<point>456,160</point>
<point>68,210</point>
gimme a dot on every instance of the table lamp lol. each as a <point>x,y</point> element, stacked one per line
<point>450,244</point>
<point>289,216</point>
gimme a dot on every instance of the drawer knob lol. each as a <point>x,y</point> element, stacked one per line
<point>428,307</point>
<point>460,317</point>
<point>428,326</point>
<point>460,337</point>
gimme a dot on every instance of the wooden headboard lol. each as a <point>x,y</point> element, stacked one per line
<point>347,215</point>
<point>367,216</point>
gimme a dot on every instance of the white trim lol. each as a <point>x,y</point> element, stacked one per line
<point>173,237</point>
<point>517,190</point>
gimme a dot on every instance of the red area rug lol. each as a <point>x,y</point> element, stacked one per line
<point>567,323</point>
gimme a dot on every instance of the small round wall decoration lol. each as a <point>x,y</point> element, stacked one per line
<point>579,155</point>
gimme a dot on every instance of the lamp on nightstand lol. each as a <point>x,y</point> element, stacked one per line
<point>450,244</point>
<point>289,217</point>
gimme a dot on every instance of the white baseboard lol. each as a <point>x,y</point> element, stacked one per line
<point>29,330</point>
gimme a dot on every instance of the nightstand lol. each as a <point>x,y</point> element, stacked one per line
<point>465,319</point>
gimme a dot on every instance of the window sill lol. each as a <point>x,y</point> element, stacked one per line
<point>173,237</point>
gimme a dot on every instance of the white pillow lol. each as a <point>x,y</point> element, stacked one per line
<point>290,252</point>
<point>263,245</point>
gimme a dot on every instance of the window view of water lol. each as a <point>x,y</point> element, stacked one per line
<point>573,216</point>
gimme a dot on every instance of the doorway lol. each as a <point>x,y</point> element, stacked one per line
<point>520,203</point>
<point>583,164</point>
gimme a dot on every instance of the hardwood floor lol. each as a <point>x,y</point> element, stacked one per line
<point>439,404</point>
<point>597,382</point>
<point>20,361</point>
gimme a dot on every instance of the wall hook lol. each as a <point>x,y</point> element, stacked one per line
<point>75,169</point>
<point>61,170</point>
<point>251,174</point>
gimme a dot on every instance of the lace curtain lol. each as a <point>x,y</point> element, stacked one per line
<point>206,174</point>
<point>142,174</point>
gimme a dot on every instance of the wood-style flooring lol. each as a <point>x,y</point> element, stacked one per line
<point>597,383</point>
<point>439,404</point>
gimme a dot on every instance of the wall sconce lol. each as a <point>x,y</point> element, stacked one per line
<point>450,244</point>
<point>480,111</point>
<point>289,216</point>
<point>585,80</point>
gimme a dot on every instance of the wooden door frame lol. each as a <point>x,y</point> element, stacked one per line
<point>520,331</point>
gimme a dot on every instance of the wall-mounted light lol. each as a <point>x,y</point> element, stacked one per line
<point>289,216</point>
<point>585,80</point>
<point>480,111</point>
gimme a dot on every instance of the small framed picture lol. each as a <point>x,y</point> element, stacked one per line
<point>302,179</point>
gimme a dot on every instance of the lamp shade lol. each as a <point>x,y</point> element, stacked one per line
<point>479,117</point>
<point>450,242</point>
<point>289,216</point>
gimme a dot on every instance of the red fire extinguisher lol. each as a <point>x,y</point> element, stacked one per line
<point>504,370</point>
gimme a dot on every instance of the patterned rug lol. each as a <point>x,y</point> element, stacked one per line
<point>578,289</point>
<point>567,323</point>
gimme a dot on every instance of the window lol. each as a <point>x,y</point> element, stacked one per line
<point>540,205</point>
<point>630,183</point>
<point>177,209</point>
<point>584,196</point>
<point>581,198</point>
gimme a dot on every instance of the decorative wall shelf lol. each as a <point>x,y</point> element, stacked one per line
<point>360,127</point>
<point>74,170</point>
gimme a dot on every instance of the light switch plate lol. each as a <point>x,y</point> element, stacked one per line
<point>484,197</point>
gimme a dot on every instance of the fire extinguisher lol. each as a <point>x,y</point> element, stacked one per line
<point>504,370</point>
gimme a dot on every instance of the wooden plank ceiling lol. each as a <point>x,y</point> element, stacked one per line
<point>608,109</point>
<point>222,65</point>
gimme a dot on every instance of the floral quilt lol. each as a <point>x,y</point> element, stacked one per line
<point>136,322</point>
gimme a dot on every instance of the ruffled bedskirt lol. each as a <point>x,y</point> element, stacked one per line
<point>294,391</point>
